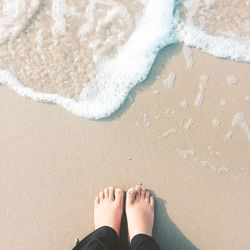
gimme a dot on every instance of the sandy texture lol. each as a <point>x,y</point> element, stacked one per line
<point>52,163</point>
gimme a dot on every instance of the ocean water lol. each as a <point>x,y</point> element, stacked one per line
<point>87,55</point>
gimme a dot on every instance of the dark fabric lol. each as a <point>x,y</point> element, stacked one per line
<point>143,242</point>
<point>106,238</point>
<point>103,238</point>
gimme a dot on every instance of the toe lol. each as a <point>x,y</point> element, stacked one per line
<point>111,193</point>
<point>130,197</point>
<point>106,193</point>
<point>101,196</point>
<point>97,201</point>
<point>143,192</point>
<point>119,197</point>
<point>151,201</point>
<point>147,196</point>
<point>138,192</point>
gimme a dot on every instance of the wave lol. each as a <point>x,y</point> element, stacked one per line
<point>88,64</point>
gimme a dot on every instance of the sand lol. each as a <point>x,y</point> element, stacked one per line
<point>52,163</point>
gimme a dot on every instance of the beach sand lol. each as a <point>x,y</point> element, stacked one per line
<point>196,163</point>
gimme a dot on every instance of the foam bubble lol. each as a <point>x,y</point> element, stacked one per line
<point>216,122</point>
<point>169,132</point>
<point>228,135</point>
<point>146,121</point>
<point>186,154</point>
<point>184,104</point>
<point>231,79</point>
<point>202,87</point>
<point>188,124</point>
<point>215,168</point>
<point>222,102</point>
<point>170,80</point>
<point>240,121</point>
<point>204,163</point>
<point>188,54</point>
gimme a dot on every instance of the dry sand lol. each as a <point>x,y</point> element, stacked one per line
<point>52,163</point>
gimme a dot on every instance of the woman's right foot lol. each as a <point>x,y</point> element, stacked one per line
<point>109,208</point>
<point>139,211</point>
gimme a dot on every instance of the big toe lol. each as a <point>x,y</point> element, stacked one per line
<point>119,197</point>
<point>130,196</point>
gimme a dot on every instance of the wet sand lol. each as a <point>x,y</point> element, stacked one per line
<point>53,164</point>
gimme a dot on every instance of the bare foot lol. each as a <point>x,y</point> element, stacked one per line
<point>140,211</point>
<point>109,208</point>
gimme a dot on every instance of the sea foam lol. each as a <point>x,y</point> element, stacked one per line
<point>115,61</point>
<point>220,28</point>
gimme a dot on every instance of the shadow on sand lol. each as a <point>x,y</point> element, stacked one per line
<point>167,235</point>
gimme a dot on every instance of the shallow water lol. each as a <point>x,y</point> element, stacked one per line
<point>87,55</point>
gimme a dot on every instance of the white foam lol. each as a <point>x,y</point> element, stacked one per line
<point>116,77</point>
<point>39,41</point>
<point>228,135</point>
<point>15,17</point>
<point>90,25</point>
<point>215,168</point>
<point>215,122</point>
<point>169,82</point>
<point>58,16</point>
<point>188,54</point>
<point>146,121</point>
<point>231,79</point>
<point>186,154</point>
<point>188,124</point>
<point>240,121</point>
<point>222,102</point>
<point>184,104</point>
<point>217,46</point>
<point>201,93</point>
<point>235,48</point>
<point>169,132</point>
<point>116,12</point>
<point>60,10</point>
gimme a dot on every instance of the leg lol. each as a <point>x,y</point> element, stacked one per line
<point>140,216</point>
<point>107,219</point>
<point>102,238</point>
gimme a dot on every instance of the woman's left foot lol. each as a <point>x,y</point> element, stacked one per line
<point>109,208</point>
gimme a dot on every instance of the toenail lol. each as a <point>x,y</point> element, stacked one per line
<point>132,191</point>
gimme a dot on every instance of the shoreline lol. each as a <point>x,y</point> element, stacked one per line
<point>53,163</point>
